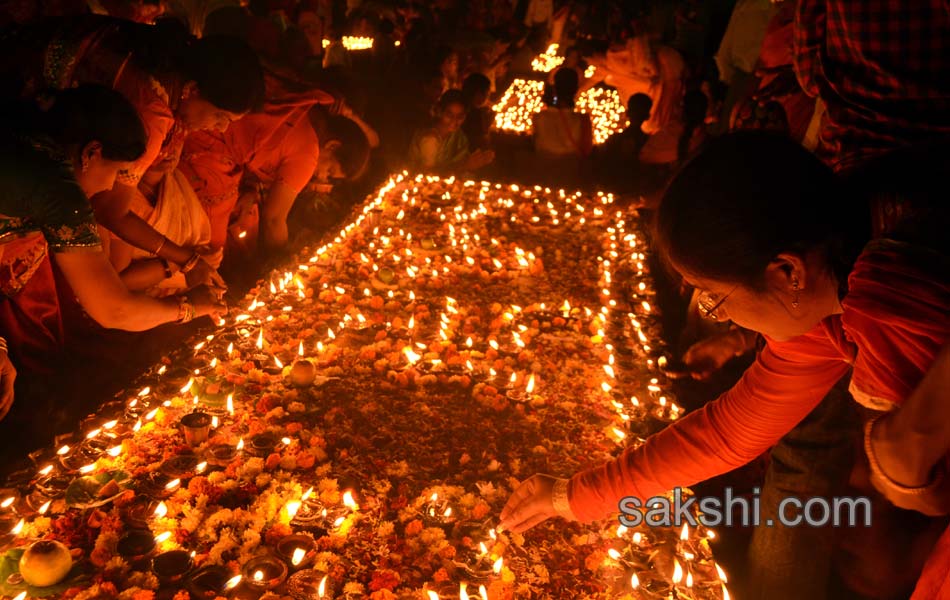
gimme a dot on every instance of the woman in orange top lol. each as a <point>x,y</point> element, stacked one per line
<point>775,250</point>
<point>177,84</point>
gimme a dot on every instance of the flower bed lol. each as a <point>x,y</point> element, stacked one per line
<point>354,428</point>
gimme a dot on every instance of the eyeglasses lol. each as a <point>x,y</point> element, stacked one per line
<point>710,303</point>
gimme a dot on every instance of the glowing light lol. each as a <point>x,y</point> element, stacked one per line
<point>163,537</point>
<point>548,60</point>
<point>161,510</point>
<point>354,43</point>
<point>298,556</point>
<point>515,111</point>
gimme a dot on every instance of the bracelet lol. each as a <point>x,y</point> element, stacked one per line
<point>160,245</point>
<point>186,310</point>
<point>191,264</point>
<point>890,483</point>
<point>3,345</point>
<point>562,505</point>
<point>168,268</point>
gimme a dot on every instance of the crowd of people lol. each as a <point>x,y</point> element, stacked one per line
<point>155,152</point>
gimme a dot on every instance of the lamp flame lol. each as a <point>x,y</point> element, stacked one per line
<point>163,537</point>
<point>299,555</point>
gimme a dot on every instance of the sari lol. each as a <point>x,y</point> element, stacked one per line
<point>42,210</point>
<point>277,144</point>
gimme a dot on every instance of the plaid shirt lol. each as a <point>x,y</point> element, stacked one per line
<point>882,68</point>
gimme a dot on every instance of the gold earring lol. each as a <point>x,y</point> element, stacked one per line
<point>795,297</point>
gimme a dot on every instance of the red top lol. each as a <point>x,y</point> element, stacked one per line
<point>894,323</point>
<point>277,145</point>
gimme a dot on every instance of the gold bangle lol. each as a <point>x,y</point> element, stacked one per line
<point>191,263</point>
<point>879,472</point>
<point>160,245</point>
<point>560,500</point>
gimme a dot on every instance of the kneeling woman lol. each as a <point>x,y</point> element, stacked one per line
<point>774,250</point>
<point>49,168</point>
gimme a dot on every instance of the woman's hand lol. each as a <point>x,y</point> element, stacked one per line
<point>7,379</point>
<point>532,503</point>
<point>479,159</point>
<point>208,302</point>
<point>888,453</point>
<point>204,274</point>
<point>707,356</point>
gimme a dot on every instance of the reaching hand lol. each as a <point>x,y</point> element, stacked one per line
<point>7,379</point>
<point>207,302</point>
<point>479,159</point>
<point>204,274</point>
<point>707,356</point>
<point>532,503</point>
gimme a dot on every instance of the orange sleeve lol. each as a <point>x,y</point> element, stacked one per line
<point>151,101</point>
<point>299,154</point>
<point>897,312</point>
<point>787,380</point>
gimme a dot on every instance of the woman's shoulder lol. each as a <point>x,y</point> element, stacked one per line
<point>896,313</point>
<point>893,273</point>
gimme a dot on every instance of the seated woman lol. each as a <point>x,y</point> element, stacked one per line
<point>55,161</point>
<point>443,148</point>
<point>178,84</point>
<point>799,269</point>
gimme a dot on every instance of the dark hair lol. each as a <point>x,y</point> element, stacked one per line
<point>746,198</point>
<point>228,20</point>
<point>639,107</point>
<point>565,87</point>
<point>695,105</point>
<point>227,71</point>
<point>475,84</point>
<point>448,98</point>
<point>75,117</point>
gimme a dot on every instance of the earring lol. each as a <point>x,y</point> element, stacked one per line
<point>795,297</point>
